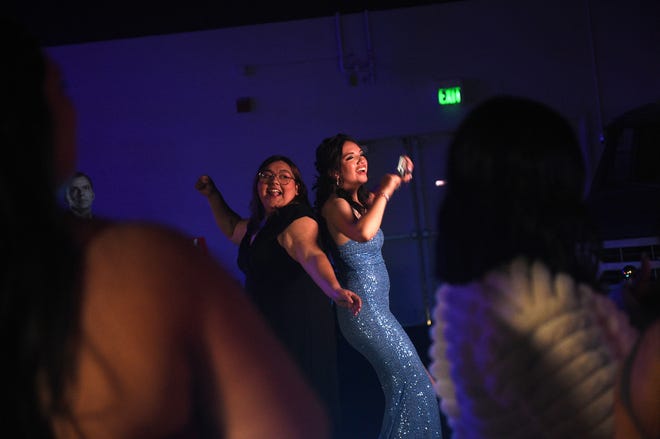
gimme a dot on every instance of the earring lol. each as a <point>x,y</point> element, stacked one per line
<point>338,182</point>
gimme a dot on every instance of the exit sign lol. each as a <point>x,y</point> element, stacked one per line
<point>449,95</point>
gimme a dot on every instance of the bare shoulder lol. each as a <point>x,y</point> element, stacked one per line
<point>334,206</point>
<point>143,244</point>
<point>334,200</point>
<point>138,259</point>
<point>139,239</point>
<point>301,231</point>
<point>158,315</point>
<point>140,287</point>
<point>302,223</point>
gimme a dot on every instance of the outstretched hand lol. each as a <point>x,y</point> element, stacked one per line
<point>348,299</point>
<point>205,185</point>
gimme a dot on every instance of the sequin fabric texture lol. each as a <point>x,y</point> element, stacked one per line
<point>411,407</point>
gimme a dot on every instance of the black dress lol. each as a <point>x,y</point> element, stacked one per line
<point>299,313</point>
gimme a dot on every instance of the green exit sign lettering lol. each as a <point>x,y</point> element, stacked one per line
<point>449,95</point>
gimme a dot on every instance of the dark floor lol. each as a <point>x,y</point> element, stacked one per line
<point>361,396</point>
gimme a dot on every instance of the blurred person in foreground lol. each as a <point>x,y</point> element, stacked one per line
<point>522,343</point>
<point>118,330</point>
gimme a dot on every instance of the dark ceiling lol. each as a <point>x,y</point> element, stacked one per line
<point>77,21</point>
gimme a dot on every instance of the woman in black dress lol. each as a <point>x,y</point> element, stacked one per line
<point>287,273</point>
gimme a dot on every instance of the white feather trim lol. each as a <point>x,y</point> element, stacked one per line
<point>524,353</point>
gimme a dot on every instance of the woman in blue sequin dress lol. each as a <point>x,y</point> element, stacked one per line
<point>352,217</point>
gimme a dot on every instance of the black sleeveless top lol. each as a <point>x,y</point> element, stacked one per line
<point>296,309</point>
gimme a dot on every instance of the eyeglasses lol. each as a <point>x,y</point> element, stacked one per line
<point>267,176</point>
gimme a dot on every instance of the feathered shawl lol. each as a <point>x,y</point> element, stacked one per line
<point>523,354</point>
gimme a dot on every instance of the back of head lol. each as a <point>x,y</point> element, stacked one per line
<point>515,186</point>
<point>37,303</point>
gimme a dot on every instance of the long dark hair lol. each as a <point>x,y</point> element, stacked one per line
<point>328,160</point>
<point>257,212</point>
<point>39,298</point>
<point>515,186</point>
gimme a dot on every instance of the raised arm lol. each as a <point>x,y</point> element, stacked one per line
<point>344,223</point>
<point>229,222</point>
<point>299,239</point>
<point>341,218</point>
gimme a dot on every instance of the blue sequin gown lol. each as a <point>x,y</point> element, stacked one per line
<point>411,407</point>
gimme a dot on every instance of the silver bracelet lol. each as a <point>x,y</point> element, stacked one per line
<point>384,195</point>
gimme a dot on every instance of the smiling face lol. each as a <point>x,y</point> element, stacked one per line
<point>276,186</point>
<point>354,167</point>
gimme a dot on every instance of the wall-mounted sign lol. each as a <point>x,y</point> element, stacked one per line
<point>449,95</point>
